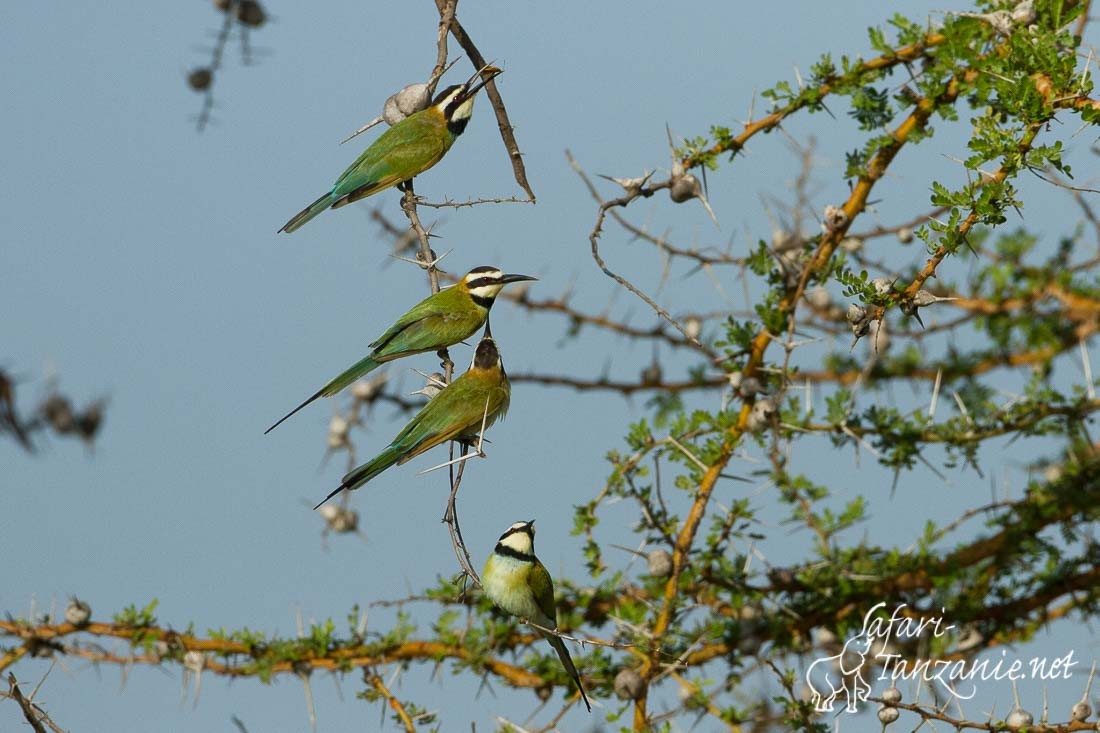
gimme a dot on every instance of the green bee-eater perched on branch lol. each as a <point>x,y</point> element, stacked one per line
<point>518,584</point>
<point>407,149</point>
<point>440,320</point>
<point>478,398</point>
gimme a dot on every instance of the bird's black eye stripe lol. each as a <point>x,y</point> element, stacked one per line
<point>445,93</point>
<point>452,106</point>
<point>482,282</point>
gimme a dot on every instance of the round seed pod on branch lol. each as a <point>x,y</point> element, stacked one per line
<point>58,412</point>
<point>659,563</point>
<point>684,186</point>
<point>78,613</point>
<point>250,13</point>
<point>200,79</point>
<point>628,684</point>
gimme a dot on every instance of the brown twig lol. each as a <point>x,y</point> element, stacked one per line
<point>446,18</point>
<point>425,256</point>
<point>214,65</point>
<point>1083,20</point>
<point>34,715</point>
<point>506,133</point>
<point>450,518</point>
<point>448,204</point>
<point>594,241</point>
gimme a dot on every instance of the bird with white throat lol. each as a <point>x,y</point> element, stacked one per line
<point>518,584</point>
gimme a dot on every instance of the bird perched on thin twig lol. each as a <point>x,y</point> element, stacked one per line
<point>440,320</point>
<point>518,584</point>
<point>407,149</point>
<point>461,411</point>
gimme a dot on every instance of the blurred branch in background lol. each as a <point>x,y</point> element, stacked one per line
<point>55,413</point>
<point>244,16</point>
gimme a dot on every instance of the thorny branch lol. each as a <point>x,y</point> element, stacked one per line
<point>769,122</point>
<point>33,714</point>
<point>375,681</point>
<point>594,237</point>
<point>856,203</point>
<point>505,126</point>
<point>450,517</point>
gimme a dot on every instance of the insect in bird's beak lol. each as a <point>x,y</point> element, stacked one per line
<point>516,278</point>
<point>487,74</point>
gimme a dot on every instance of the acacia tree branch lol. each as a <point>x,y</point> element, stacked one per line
<point>338,657</point>
<point>829,242</point>
<point>972,218</point>
<point>12,657</point>
<point>396,705</point>
<point>808,98</point>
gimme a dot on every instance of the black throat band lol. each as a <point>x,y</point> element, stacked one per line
<point>483,301</point>
<point>457,127</point>
<point>503,549</point>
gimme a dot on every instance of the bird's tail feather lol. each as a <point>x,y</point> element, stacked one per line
<point>292,412</point>
<point>307,213</point>
<point>359,369</point>
<point>361,475</point>
<point>567,662</point>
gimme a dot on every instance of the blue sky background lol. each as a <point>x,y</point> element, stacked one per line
<point>139,260</point>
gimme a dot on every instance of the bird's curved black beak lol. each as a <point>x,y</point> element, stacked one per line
<point>516,278</point>
<point>487,74</point>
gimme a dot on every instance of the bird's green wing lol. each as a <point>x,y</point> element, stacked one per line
<point>489,406</point>
<point>542,588</point>
<point>429,334</point>
<point>444,417</point>
<point>440,320</point>
<point>504,400</point>
<point>423,441</point>
<point>407,149</point>
<point>454,413</point>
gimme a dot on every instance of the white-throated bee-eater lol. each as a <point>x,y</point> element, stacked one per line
<point>478,398</point>
<point>518,584</point>
<point>442,319</point>
<point>404,151</point>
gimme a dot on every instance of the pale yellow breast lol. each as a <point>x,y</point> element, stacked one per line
<point>505,582</point>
